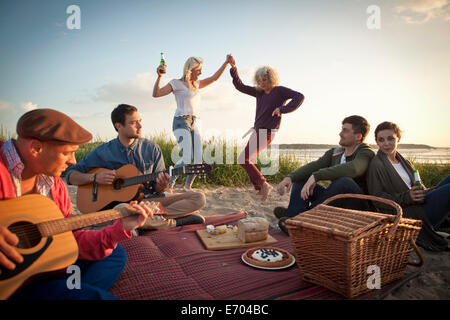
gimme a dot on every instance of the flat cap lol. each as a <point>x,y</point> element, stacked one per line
<point>51,125</point>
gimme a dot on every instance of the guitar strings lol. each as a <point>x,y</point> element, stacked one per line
<point>28,234</point>
<point>24,229</point>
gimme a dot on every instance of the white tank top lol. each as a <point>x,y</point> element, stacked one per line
<point>187,100</point>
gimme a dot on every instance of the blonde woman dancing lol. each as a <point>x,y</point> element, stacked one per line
<point>187,95</point>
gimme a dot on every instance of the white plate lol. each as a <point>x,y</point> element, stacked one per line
<point>268,268</point>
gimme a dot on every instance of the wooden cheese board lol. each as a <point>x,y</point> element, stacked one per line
<point>228,240</point>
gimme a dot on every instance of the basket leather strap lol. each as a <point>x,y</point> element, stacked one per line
<point>419,254</point>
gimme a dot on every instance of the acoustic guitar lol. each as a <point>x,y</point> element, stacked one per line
<point>46,241</point>
<point>126,186</point>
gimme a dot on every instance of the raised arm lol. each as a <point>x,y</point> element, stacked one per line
<point>238,83</point>
<point>164,91</point>
<point>217,75</point>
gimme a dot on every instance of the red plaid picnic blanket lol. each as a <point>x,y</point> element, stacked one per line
<point>174,264</point>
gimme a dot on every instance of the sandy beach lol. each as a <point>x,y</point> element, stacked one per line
<point>432,283</point>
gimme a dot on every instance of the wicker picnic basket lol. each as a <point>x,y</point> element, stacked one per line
<point>338,248</point>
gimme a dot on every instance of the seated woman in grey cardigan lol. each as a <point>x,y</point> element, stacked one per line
<point>391,176</point>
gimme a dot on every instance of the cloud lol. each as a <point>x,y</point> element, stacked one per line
<point>136,91</point>
<point>10,113</point>
<point>246,74</point>
<point>5,105</point>
<point>140,87</point>
<point>28,106</point>
<point>14,109</point>
<point>222,95</point>
<point>82,116</point>
<point>219,96</point>
<point>422,11</point>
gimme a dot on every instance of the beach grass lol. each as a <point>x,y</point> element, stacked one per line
<point>5,134</point>
<point>85,149</point>
<point>432,173</point>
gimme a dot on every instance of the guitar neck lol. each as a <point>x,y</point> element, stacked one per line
<point>149,177</point>
<point>49,228</point>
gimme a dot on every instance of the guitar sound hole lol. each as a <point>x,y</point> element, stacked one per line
<point>117,184</point>
<point>28,234</point>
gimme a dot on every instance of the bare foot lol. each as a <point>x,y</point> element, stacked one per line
<point>265,191</point>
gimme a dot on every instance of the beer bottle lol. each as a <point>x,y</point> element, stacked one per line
<point>162,63</point>
<point>418,182</point>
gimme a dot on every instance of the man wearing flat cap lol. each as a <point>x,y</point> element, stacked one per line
<point>45,147</point>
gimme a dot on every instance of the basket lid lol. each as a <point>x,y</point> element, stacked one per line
<point>342,222</point>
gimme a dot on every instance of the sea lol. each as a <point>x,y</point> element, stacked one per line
<point>431,156</point>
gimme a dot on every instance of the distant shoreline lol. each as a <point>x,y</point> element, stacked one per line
<point>302,146</point>
<point>299,146</point>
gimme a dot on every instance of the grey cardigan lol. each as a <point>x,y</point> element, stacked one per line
<point>383,181</point>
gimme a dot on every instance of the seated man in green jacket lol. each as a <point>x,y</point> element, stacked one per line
<point>345,166</point>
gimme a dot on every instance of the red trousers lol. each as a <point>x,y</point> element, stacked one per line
<point>259,140</point>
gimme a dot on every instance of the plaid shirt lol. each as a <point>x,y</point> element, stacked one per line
<point>15,167</point>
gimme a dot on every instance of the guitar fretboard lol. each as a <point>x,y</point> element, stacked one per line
<point>49,228</point>
<point>188,169</point>
<point>148,177</point>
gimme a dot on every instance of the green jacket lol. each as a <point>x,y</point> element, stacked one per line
<point>328,166</point>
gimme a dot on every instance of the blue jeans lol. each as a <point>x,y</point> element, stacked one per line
<point>320,194</point>
<point>190,143</point>
<point>437,203</point>
<point>97,277</point>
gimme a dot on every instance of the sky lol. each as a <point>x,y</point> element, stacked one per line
<point>383,60</point>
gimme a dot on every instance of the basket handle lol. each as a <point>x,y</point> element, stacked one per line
<point>391,203</point>
<point>419,254</point>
